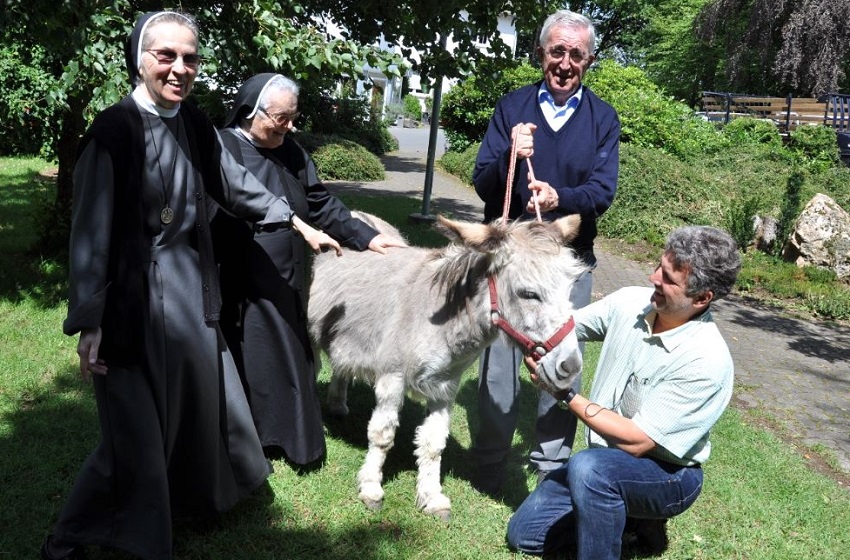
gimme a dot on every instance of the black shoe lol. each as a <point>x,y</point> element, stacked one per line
<point>541,476</point>
<point>649,535</point>
<point>488,479</point>
<point>76,553</point>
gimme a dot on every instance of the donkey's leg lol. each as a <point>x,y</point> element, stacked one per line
<point>338,395</point>
<point>389,394</point>
<point>430,442</point>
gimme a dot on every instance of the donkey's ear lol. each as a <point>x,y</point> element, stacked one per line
<point>481,237</point>
<point>568,227</point>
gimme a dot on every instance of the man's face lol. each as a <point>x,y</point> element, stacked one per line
<point>669,298</point>
<point>565,58</point>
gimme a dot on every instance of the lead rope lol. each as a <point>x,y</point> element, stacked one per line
<point>509,186</point>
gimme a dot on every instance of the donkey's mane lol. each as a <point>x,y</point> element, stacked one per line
<point>455,278</point>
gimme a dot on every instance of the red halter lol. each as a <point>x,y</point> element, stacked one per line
<point>529,347</point>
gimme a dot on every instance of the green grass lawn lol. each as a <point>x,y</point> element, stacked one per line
<point>760,500</point>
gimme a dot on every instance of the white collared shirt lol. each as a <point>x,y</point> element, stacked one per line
<point>557,116</point>
<point>674,385</point>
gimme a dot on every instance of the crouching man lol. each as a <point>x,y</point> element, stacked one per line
<point>663,379</point>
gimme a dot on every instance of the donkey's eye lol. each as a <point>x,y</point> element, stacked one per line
<point>528,294</point>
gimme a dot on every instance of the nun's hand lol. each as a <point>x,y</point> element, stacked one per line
<point>318,240</point>
<point>87,350</point>
<point>381,242</point>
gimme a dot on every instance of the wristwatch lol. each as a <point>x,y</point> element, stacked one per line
<point>565,402</point>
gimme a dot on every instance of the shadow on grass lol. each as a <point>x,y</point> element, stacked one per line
<point>24,271</point>
<point>53,427</point>
<point>352,429</point>
<point>48,430</point>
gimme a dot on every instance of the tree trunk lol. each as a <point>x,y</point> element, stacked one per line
<point>56,228</point>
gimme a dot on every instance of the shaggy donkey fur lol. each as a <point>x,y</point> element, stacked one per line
<point>414,320</point>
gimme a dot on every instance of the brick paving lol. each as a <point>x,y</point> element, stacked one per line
<point>798,371</point>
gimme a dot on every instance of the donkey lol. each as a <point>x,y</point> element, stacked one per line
<point>414,320</point>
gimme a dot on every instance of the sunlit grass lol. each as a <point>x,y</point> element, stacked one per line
<point>760,500</point>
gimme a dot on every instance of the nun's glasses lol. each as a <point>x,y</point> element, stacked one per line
<point>167,56</point>
<point>281,119</point>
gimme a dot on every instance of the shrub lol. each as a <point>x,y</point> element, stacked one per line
<point>392,112</point>
<point>748,131</point>
<point>29,123</point>
<point>339,159</point>
<point>461,164</point>
<point>815,146</point>
<point>650,119</point>
<point>373,136</point>
<point>739,220</point>
<point>468,106</point>
<point>790,207</point>
<point>347,117</point>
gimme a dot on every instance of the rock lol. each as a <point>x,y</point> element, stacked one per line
<point>821,237</point>
<point>764,233</point>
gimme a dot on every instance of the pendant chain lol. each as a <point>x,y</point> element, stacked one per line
<point>166,215</point>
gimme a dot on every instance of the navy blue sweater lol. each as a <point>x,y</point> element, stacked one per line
<point>580,161</point>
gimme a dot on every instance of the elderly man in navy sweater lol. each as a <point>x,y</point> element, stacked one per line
<point>574,139</point>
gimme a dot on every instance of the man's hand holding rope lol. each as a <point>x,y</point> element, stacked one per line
<point>523,138</point>
<point>547,197</point>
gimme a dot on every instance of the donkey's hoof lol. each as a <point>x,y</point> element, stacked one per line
<point>440,506</point>
<point>444,514</point>
<point>337,409</point>
<point>372,505</point>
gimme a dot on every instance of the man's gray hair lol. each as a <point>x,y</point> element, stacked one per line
<point>710,256</point>
<point>566,18</point>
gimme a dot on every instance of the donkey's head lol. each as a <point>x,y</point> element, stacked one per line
<point>531,273</point>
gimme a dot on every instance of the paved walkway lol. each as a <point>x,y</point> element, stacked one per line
<point>798,371</point>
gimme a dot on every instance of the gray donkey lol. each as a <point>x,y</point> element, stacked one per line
<point>414,320</point>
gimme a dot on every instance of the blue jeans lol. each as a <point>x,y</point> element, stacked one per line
<point>586,502</point>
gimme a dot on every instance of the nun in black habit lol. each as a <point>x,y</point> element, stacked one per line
<point>265,275</point>
<point>176,433</point>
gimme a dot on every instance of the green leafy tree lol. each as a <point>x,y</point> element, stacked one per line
<point>778,47</point>
<point>82,42</point>
<point>25,85</point>
<point>671,53</point>
<point>412,108</point>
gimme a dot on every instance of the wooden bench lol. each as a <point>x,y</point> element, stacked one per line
<point>723,107</point>
<point>787,113</point>
<point>804,110</point>
<point>837,115</point>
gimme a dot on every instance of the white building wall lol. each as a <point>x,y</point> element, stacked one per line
<point>392,86</point>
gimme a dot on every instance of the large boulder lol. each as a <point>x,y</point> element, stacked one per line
<point>821,237</point>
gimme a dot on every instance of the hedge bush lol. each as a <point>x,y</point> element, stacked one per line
<point>340,159</point>
<point>648,117</point>
<point>814,146</point>
<point>461,164</point>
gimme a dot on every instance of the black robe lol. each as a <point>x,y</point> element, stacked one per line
<point>264,287</point>
<point>176,432</point>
